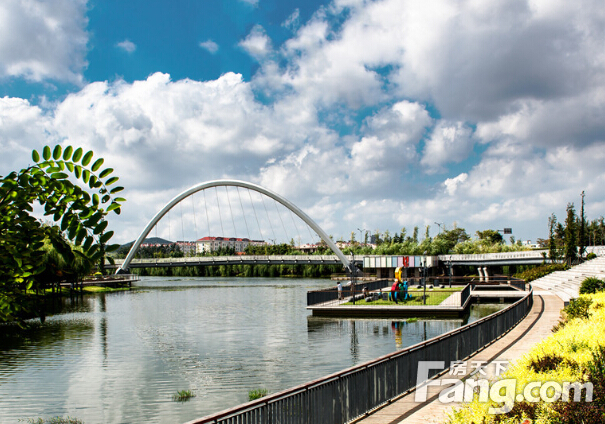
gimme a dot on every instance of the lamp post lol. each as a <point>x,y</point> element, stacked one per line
<point>360,233</point>
<point>352,269</point>
<point>439,224</point>
<point>423,270</point>
<point>451,270</point>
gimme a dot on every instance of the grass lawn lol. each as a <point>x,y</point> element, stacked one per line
<point>434,297</point>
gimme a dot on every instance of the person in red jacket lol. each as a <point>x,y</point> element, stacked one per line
<point>394,290</point>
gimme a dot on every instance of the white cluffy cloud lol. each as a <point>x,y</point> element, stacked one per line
<point>449,143</point>
<point>42,40</point>
<point>127,45</point>
<point>257,43</point>
<point>210,46</point>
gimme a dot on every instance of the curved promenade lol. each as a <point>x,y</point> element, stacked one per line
<point>513,345</point>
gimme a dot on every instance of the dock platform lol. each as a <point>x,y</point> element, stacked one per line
<point>448,308</point>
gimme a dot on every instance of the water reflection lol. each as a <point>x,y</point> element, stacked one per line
<point>119,357</point>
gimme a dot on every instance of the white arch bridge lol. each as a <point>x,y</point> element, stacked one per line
<point>338,257</point>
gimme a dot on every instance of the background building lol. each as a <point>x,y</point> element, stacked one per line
<point>210,244</point>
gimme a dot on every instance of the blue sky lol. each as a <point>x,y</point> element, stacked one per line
<point>367,114</point>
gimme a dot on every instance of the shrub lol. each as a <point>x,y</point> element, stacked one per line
<point>576,353</point>
<point>590,256</point>
<point>587,412</point>
<point>578,308</point>
<point>540,271</point>
<point>548,362</point>
<point>591,285</point>
<point>520,411</point>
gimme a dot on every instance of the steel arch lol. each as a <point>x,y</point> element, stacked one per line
<point>234,183</point>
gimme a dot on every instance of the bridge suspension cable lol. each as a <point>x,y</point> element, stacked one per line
<point>231,211</point>
<point>243,212</point>
<point>250,187</point>
<point>256,216</point>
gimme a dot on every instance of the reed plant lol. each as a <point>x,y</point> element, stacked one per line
<point>256,394</point>
<point>183,395</point>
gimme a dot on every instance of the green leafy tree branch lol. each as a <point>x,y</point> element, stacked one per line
<point>79,215</point>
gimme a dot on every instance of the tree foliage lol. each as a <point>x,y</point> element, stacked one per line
<point>571,240</point>
<point>490,236</point>
<point>78,214</point>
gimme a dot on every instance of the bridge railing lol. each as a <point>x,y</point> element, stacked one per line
<point>232,259</point>
<point>351,393</point>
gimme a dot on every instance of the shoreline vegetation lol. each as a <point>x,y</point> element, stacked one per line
<point>270,271</point>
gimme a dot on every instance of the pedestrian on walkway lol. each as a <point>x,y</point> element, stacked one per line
<point>339,291</point>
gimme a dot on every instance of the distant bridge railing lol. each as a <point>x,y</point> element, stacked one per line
<point>349,394</point>
<point>525,257</point>
<point>373,261</point>
<point>234,260</point>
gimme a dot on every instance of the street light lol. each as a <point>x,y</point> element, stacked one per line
<point>439,224</point>
<point>359,229</point>
<point>423,270</point>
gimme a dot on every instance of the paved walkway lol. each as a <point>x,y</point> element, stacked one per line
<point>509,348</point>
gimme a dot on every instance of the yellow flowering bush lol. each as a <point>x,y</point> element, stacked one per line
<point>574,353</point>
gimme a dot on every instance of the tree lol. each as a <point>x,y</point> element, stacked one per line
<point>552,245</point>
<point>450,238</point>
<point>490,236</point>
<point>571,244</point>
<point>582,230</point>
<point>415,236</point>
<point>79,217</point>
<point>387,237</point>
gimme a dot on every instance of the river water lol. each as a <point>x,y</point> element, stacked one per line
<point>119,357</point>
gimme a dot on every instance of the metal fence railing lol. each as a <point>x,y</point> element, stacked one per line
<point>466,293</point>
<point>331,293</point>
<point>349,394</point>
<point>417,297</point>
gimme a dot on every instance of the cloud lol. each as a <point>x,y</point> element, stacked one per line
<point>210,46</point>
<point>24,127</point>
<point>257,43</point>
<point>172,126</point>
<point>293,21</point>
<point>42,40</point>
<point>127,45</point>
<point>388,146</point>
<point>451,184</point>
<point>449,143</point>
<point>370,114</point>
